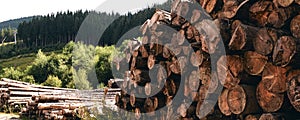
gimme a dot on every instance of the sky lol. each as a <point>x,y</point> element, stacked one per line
<point>12,9</point>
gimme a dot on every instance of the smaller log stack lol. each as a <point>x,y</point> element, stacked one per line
<point>42,102</point>
<point>261,64</point>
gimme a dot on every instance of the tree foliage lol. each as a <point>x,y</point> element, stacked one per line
<point>53,81</point>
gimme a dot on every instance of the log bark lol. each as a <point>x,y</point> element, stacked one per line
<point>267,14</point>
<point>254,63</point>
<point>268,101</point>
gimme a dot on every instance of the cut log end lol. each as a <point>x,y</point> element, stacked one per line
<point>223,103</point>
<point>284,50</point>
<point>236,99</point>
<point>294,88</point>
<point>254,63</point>
<point>285,3</point>
<point>295,26</point>
<point>269,102</point>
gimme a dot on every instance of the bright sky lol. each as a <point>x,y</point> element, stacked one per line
<point>12,9</point>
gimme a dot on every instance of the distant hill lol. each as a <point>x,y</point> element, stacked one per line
<point>14,23</point>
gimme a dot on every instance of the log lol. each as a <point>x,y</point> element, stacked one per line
<point>284,50</point>
<point>175,66</point>
<point>196,58</point>
<point>138,63</point>
<point>208,5</point>
<point>236,99</point>
<point>223,103</point>
<point>230,8</point>
<point>149,107</point>
<point>252,117</point>
<point>178,38</point>
<point>274,78</point>
<point>183,62</point>
<point>209,35</point>
<point>295,26</point>
<point>242,36</point>
<point>254,63</point>
<point>194,81</point>
<point>196,16</point>
<point>270,116</point>
<point>294,89</point>
<point>263,43</point>
<point>297,1</point>
<point>268,101</point>
<point>141,76</point>
<point>267,14</point>
<point>285,3</point>
<point>137,113</point>
<point>232,69</point>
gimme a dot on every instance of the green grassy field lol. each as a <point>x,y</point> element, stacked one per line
<point>22,61</point>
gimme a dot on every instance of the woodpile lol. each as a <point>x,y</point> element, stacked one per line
<point>42,102</point>
<point>260,71</point>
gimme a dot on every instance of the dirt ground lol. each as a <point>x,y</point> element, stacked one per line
<point>4,116</point>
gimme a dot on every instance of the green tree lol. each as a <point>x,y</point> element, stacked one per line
<point>29,79</point>
<point>39,68</point>
<point>52,81</point>
<point>12,73</point>
<point>80,79</point>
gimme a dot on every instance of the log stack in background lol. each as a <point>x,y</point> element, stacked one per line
<point>260,79</point>
<point>42,102</point>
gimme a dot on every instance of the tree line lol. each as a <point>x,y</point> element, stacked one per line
<point>78,66</point>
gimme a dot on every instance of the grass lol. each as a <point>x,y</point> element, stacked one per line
<point>22,62</point>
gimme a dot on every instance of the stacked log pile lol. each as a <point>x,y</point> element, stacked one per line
<point>259,73</point>
<point>42,102</point>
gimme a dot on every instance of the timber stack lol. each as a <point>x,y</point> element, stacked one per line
<point>43,102</point>
<point>259,73</point>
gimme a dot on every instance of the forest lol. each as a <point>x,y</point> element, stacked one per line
<point>46,44</point>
